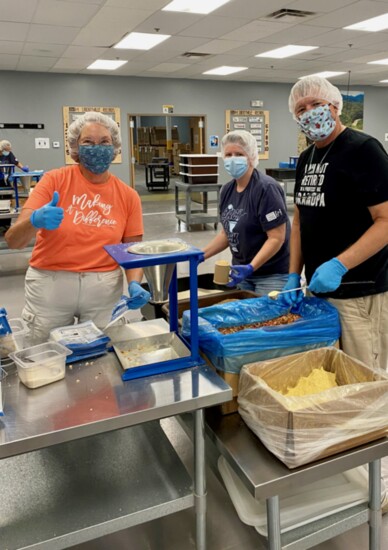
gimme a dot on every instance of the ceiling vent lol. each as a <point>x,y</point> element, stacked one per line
<point>195,55</point>
<point>286,15</point>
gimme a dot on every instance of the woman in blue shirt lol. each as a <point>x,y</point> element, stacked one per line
<point>255,224</point>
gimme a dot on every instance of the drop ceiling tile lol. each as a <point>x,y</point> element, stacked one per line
<point>64,13</point>
<point>84,52</point>
<point>45,50</point>
<point>252,9</point>
<point>219,46</point>
<point>137,4</point>
<point>168,67</point>
<point>318,6</point>
<point>51,34</point>
<point>75,63</point>
<point>212,26</point>
<point>20,11</point>
<point>255,30</point>
<point>11,47</point>
<point>35,63</point>
<point>15,32</point>
<point>170,22</point>
<point>109,26</point>
<point>180,44</point>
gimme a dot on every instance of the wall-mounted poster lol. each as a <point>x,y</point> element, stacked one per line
<point>353,110</point>
<point>72,113</point>
<point>257,123</point>
<point>214,141</point>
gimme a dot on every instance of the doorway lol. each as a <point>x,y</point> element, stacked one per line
<point>163,136</point>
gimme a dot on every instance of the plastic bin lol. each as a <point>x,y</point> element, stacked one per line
<point>301,505</point>
<point>42,364</point>
<point>20,332</point>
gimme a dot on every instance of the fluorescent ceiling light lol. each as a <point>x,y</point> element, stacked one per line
<point>194,6</point>
<point>286,51</point>
<point>379,62</point>
<point>225,70</point>
<point>325,74</point>
<point>385,81</point>
<point>375,24</point>
<point>140,41</point>
<point>107,64</point>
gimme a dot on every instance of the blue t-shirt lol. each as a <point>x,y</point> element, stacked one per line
<point>247,216</point>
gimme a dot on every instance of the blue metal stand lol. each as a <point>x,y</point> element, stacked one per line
<point>194,256</point>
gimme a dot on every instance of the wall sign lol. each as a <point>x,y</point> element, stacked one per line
<point>255,122</point>
<point>70,114</point>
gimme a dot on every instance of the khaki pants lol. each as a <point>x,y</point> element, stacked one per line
<point>364,326</point>
<point>55,298</point>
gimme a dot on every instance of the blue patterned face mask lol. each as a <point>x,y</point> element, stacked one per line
<point>317,123</point>
<point>236,166</point>
<point>96,158</point>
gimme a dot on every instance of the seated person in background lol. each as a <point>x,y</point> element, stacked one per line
<point>254,219</point>
<point>7,157</point>
<point>73,212</point>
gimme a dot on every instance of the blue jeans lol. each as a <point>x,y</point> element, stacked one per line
<point>263,284</point>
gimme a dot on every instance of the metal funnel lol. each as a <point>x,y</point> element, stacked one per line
<point>158,276</point>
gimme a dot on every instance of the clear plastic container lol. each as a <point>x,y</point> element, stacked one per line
<point>16,340</point>
<point>42,364</point>
<point>20,332</point>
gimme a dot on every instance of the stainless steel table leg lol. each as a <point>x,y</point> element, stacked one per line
<point>273,523</point>
<point>188,209</point>
<point>200,478</point>
<point>375,505</point>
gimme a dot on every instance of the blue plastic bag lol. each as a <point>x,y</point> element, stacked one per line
<point>319,326</point>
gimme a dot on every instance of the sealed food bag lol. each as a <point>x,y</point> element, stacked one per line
<point>313,404</point>
<point>317,325</point>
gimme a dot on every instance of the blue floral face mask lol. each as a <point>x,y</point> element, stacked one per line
<point>96,158</point>
<point>317,123</point>
<point>236,166</point>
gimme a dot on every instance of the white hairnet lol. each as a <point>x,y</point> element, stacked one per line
<point>317,87</point>
<point>4,143</point>
<point>77,126</point>
<point>245,140</point>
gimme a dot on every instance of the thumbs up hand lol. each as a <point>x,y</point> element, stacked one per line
<point>49,216</point>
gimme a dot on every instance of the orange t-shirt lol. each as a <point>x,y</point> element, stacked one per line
<point>95,215</point>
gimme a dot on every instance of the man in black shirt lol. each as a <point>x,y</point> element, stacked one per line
<point>340,226</point>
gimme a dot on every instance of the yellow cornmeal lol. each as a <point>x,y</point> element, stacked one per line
<point>317,381</point>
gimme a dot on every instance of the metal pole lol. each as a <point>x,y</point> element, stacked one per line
<point>200,478</point>
<point>375,505</point>
<point>273,522</point>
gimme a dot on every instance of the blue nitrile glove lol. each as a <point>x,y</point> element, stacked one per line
<point>328,276</point>
<point>49,216</point>
<point>239,273</point>
<point>138,295</point>
<point>25,169</point>
<point>294,297</point>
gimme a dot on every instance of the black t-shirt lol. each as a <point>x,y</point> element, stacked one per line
<point>334,187</point>
<point>247,216</point>
<point>9,159</point>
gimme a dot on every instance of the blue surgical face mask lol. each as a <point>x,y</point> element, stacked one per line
<point>96,158</point>
<point>236,166</point>
<point>317,123</point>
<point>5,153</point>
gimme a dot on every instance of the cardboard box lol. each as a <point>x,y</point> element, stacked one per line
<point>299,430</point>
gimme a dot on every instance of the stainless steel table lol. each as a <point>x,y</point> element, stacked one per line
<point>266,478</point>
<point>192,216</point>
<point>86,456</point>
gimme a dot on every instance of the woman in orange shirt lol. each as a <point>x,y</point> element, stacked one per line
<point>74,212</point>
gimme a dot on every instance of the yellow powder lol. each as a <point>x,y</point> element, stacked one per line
<point>317,381</point>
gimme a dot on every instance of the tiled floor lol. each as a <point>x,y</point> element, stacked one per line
<point>176,532</point>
